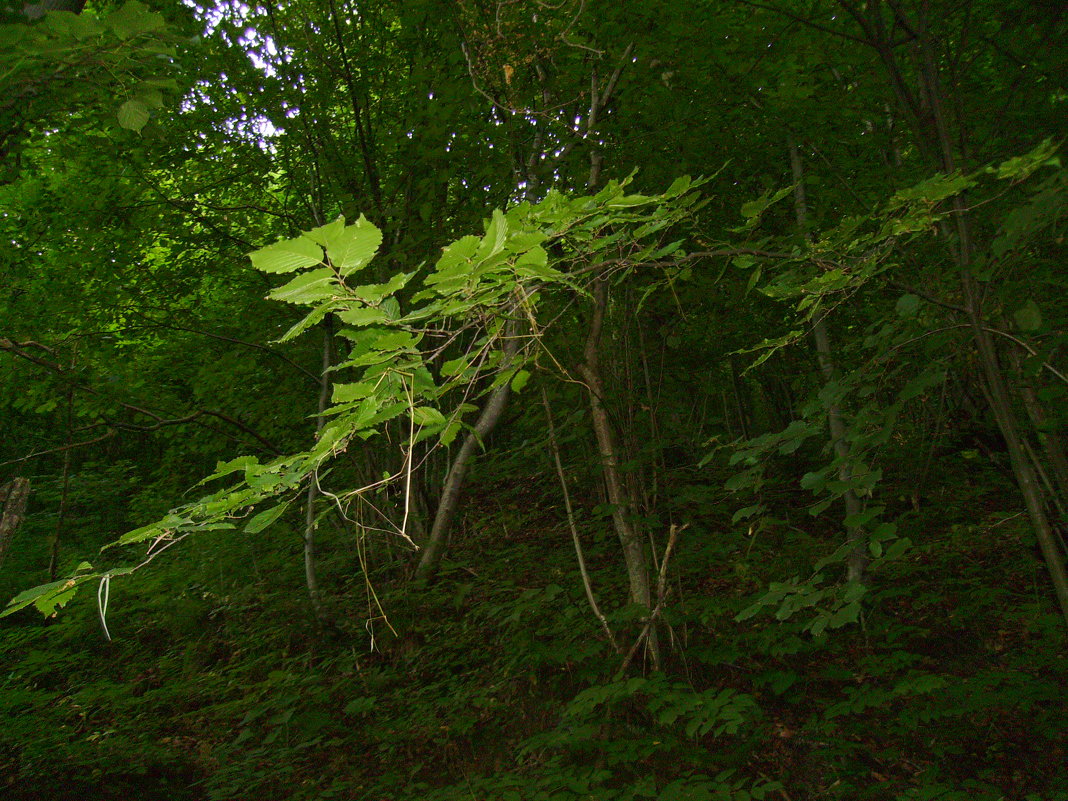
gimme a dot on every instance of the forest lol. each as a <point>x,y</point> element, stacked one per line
<point>533,400</point>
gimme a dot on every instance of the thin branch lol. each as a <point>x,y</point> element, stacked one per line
<point>806,22</point>
<point>161,421</point>
<point>928,297</point>
<point>234,340</point>
<point>661,597</point>
<point>106,435</point>
<point>1029,349</point>
<point>587,585</point>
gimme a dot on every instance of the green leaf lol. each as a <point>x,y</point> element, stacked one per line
<point>379,293</point>
<point>347,393</point>
<point>314,317</point>
<point>309,287</point>
<point>366,315</point>
<point>920,384</point>
<point>324,233</point>
<point>287,256</point>
<point>134,18</point>
<point>863,518</point>
<point>754,208</point>
<point>454,367</point>
<point>496,234</point>
<point>847,614</point>
<point>747,512</point>
<point>1028,316</point>
<point>933,190</point>
<point>354,246</point>
<point>427,416</point>
<point>520,380</point>
<point>47,598</point>
<point>133,114</point>
<point>1022,166</point>
<point>908,306</point>
<point>265,518</point>
<point>678,187</point>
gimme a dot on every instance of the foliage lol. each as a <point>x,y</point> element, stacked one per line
<point>848,341</point>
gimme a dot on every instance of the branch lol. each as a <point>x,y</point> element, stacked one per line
<point>804,21</point>
<point>554,445</point>
<point>927,296</point>
<point>106,435</point>
<point>1029,349</point>
<point>234,340</point>
<point>161,421</point>
<point>661,596</point>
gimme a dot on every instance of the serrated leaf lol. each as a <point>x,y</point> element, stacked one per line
<point>133,114</point>
<point>287,256</point>
<point>313,317</point>
<point>427,416</point>
<point>347,393</point>
<point>496,234</point>
<point>309,287</point>
<point>365,315</point>
<point>40,596</point>
<point>354,246</point>
<point>324,233</point>
<point>378,293</point>
<point>265,518</point>
<point>453,259</point>
<point>454,367</point>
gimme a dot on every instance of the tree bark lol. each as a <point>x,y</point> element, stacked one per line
<point>857,560</point>
<point>37,10</point>
<point>13,497</point>
<point>61,514</point>
<point>934,138</point>
<point>491,414</point>
<point>310,574</point>
<point>633,551</point>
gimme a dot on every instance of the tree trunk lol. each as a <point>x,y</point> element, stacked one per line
<point>857,560</point>
<point>933,136</point>
<point>13,497</point>
<point>454,481</point>
<point>633,551</point>
<point>61,514</point>
<point>37,10</point>
<point>310,576</point>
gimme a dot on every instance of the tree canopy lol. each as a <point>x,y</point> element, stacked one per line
<point>536,400</point>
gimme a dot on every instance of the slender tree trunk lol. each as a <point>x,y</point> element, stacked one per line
<point>739,403</point>
<point>13,497</point>
<point>999,394</point>
<point>857,560</point>
<point>926,107</point>
<point>1051,441</point>
<point>310,575</point>
<point>633,549</point>
<point>454,481</point>
<point>61,513</point>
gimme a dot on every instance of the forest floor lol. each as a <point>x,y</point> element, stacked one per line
<point>494,682</point>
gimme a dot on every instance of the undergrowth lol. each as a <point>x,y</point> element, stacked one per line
<point>495,683</point>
